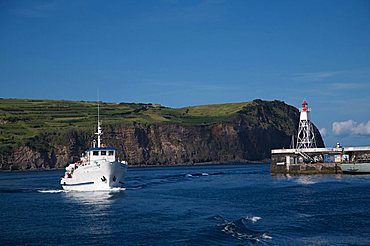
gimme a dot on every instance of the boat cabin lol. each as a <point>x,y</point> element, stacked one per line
<point>106,153</point>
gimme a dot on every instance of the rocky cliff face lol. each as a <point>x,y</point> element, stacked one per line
<point>249,135</point>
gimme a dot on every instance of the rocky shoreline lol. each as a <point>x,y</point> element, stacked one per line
<point>154,166</point>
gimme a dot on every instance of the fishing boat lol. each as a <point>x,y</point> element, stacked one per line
<point>97,170</point>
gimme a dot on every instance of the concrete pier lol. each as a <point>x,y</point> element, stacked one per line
<point>315,160</point>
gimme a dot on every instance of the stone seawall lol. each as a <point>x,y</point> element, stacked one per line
<point>303,168</point>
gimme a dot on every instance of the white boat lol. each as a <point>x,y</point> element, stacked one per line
<point>355,168</point>
<point>97,170</point>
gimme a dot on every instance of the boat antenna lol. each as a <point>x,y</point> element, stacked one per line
<point>99,133</point>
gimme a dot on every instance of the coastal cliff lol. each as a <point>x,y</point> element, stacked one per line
<point>146,134</point>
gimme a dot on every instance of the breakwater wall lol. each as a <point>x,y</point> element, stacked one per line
<point>314,160</point>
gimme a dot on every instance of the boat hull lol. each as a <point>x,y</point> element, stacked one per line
<point>100,176</point>
<point>355,168</point>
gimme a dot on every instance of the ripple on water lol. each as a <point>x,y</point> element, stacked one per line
<point>242,228</point>
<point>306,180</point>
<point>51,191</point>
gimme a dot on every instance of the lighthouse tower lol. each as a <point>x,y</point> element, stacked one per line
<point>306,136</point>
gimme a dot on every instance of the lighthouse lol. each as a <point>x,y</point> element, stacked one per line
<point>306,136</point>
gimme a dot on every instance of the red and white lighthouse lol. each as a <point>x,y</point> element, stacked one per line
<point>306,136</point>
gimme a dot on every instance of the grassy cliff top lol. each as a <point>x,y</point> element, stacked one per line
<point>56,114</point>
<point>22,119</point>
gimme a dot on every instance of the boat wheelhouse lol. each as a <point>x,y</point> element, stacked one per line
<point>95,154</point>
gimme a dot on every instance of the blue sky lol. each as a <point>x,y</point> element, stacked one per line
<point>192,52</point>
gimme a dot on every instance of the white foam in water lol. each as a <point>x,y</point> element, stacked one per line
<point>254,219</point>
<point>205,174</point>
<point>228,229</point>
<point>117,189</point>
<point>59,191</point>
<point>188,175</point>
<point>265,236</point>
<point>240,230</point>
<point>51,191</point>
<point>305,180</point>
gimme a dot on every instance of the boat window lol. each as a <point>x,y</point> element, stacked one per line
<point>95,152</point>
<point>111,152</point>
<point>103,152</point>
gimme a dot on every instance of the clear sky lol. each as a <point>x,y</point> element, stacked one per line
<point>191,52</point>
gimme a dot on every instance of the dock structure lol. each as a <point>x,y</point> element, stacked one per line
<point>306,158</point>
<point>315,160</point>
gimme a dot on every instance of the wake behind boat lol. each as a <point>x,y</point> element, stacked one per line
<point>97,170</point>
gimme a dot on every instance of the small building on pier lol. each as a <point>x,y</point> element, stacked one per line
<point>306,158</point>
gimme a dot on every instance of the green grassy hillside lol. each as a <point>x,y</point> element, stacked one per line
<point>23,119</point>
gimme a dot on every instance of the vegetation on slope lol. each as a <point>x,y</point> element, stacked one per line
<point>28,121</point>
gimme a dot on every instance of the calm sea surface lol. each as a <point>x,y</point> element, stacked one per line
<point>203,205</point>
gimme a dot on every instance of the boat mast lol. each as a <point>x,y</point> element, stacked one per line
<point>99,132</point>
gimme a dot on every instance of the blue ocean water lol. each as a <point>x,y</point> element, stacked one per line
<point>202,205</point>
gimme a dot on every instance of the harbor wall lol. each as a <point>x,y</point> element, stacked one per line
<point>278,165</point>
<point>315,160</point>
